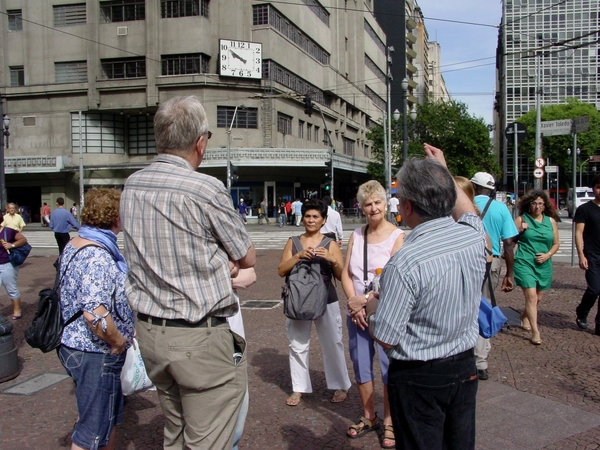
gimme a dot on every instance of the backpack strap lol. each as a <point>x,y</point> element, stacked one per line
<point>487,205</point>
<point>58,280</point>
<point>296,244</point>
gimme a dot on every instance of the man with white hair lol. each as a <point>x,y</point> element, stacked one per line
<point>180,236</point>
<point>500,227</point>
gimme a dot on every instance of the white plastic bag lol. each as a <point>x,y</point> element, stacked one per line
<point>133,376</point>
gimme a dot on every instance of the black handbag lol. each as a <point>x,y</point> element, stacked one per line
<point>18,255</point>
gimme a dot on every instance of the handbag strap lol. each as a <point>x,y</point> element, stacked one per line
<point>365,266</point>
<point>487,278</point>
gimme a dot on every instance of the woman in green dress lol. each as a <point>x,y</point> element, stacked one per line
<point>538,242</point>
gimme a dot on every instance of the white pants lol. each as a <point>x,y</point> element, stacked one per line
<point>329,330</point>
<point>483,346</point>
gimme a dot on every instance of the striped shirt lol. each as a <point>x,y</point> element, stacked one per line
<point>180,230</point>
<point>431,289</point>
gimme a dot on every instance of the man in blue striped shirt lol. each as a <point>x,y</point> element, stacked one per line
<point>426,316</point>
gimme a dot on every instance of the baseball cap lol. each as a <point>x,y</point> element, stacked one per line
<point>483,179</point>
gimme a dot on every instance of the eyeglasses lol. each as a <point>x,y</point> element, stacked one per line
<point>208,134</point>
<point>538,204</point>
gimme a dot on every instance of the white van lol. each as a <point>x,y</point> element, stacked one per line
<point>584,195</point>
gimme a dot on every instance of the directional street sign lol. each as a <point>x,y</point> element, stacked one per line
<point>551,169</point>
<point>556,127</point>
<point>595,158</point>
<point>581,124</point>
<point>521,131</point>
<point>540,162</point>
<point>538,173</point>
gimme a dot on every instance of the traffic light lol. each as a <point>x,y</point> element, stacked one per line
<point>327,187</point>
<point>234,175</point>
<point>308,106</point>
<point>328,169</point>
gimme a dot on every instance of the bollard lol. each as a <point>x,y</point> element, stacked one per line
<point>9,358</point>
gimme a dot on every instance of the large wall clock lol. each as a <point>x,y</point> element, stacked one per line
<point>240,59</point>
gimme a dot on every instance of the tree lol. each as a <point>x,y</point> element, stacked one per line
<point>464,139</point>
<point>555,147</point>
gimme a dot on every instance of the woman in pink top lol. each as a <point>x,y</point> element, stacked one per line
<point>383,240</point>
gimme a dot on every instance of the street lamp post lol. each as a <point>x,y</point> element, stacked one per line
<point>404,121</point>
<point>5,133</point>
<point>581,170</point>
<point>229,148</point>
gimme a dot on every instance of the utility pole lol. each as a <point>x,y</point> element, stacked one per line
<point>2,181</point>
<point>538,115</point>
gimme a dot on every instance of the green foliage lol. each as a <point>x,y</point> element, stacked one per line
<point>464,139</point>
<point>555,147</point>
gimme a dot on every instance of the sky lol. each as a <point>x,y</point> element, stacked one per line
<point>461,42</point>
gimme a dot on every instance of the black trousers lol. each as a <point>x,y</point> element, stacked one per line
<point>433,403</point>
<point>62,239</point>
<point>592,277</point>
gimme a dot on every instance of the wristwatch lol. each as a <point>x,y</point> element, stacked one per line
<point>13,245</point>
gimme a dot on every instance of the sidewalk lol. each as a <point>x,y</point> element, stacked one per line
<point>536,397</point>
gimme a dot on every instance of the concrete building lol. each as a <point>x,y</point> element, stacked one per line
<point>564,34</point>
<point>437,85</point>
<point>253,64</point>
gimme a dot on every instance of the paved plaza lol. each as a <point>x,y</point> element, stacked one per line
<point>536,397</point>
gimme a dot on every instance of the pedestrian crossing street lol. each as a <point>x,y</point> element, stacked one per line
<point>272,238</point>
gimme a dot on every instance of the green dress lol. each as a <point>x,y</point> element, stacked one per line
<point>538,238</point>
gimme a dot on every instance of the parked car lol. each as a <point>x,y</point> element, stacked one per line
<point>584,195</point>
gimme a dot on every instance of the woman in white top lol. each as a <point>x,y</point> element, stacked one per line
<point>383,240</point>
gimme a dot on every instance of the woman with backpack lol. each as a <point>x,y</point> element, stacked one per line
<point>314,247</point>
<point>93,346</point>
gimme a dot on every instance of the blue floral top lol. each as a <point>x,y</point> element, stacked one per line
<point>92,279</point>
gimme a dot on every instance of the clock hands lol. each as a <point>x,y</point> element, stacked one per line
<point>235,55</point>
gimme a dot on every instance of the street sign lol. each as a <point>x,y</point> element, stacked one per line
<point>521,131</point>
<point>551,169</point>
<point>556,127</point>
<point>595,158</point>
<point>540,162</point>
<point>581,124</point>
<point>538,173</point>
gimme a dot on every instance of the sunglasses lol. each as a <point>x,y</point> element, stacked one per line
<point>208,134</point>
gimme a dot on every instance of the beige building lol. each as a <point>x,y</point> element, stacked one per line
<point>437,85</point>
<point>116,61</point>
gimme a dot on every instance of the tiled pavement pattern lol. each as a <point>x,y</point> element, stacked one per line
<point>536,397</point>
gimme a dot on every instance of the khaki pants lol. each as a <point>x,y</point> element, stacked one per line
<point>199,386</point>
<point>483,346</point>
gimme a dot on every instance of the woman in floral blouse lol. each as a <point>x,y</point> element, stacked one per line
<point>93,273</point>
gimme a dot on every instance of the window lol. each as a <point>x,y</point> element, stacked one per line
<point>100,133</point>
<point>67,15</point>
<point>140,133</point>
<point>183,8</point>
<point>123,10</point>
<point>184,64</point>
<point>267,15</point>
<point>17,76</point>
<point>301,129</point>
<point>15,20</point>
<point>319,10</point>
<point>70,72</point>
<point>124,68</point>
<point>309,132</point>
<point>284,123</point>
<point>244,118</point>
<point>348,146</point>
<point>316,133</point>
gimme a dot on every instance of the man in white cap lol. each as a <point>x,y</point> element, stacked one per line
<point>499,225</point>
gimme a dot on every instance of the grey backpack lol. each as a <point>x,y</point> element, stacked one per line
<point>305,293</point>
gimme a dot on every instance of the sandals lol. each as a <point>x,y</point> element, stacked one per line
<point>294,399</point>
<point>363,426</point>
<point>387,435</point>
<point>339,396</point>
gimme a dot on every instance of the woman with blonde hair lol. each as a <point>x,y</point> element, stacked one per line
<point>369,248</point>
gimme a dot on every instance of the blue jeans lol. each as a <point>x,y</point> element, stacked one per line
<point>97,378</point>
<point>592,277</point>
<point>433,403</point>
<point>281,220</point>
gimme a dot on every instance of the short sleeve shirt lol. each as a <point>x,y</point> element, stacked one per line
<point>498,222</point>
<point>589,214</point>
<point>92,280</point>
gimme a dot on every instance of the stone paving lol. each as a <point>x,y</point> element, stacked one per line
<point>536,397</point>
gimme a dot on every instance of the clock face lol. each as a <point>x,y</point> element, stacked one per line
<point>240,59</point>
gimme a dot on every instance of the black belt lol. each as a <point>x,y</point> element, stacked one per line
<point>433,362</point>
<point>182,323</point>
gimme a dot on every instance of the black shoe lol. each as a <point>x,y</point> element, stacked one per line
<point>482,374</point>
<point>581,323</point>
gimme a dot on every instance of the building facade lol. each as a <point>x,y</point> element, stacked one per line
<point>81,81</point>
<point>548,44</point>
